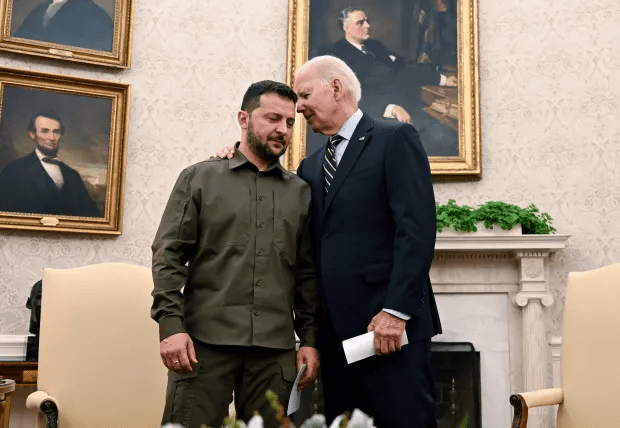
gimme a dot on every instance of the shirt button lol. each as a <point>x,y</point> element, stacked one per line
<point>260,253</point>
<point>261,198</point>
<point>259,282</point>
<point>261,224</point>
<point>255,313</point>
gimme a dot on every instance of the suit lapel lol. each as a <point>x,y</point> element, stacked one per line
<point>43,180</point>
<point>319,193</point>
<point>358,141</point>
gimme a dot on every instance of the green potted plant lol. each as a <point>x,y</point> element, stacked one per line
<point>463,218</point>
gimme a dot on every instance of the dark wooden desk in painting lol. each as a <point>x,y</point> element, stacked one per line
<point>442,103</point>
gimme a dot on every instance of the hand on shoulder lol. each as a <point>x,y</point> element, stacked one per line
<point>225,152</point>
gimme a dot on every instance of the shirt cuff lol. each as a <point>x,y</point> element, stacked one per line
<point>388,110</point>
<point>170,325</point>
<point>442,80</point>
<point>400,315</point>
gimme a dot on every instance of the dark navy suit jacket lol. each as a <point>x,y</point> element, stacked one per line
<point>384,81</point>
<point>26,187</point>
<point>374,234</point>
<point>79,23</point>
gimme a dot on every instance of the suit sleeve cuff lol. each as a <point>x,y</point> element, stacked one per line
<point>388,112</point>
<point>170,325</point>
<point>442,80</point>
<point>400,315</point>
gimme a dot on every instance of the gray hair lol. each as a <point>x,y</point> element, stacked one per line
<point>343,17</point>
<point>328,67</point>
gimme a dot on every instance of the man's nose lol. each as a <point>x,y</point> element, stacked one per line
<point>281,128</point>
<point>300,107</point>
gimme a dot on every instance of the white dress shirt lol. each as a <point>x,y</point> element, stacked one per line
<point>52,170</point>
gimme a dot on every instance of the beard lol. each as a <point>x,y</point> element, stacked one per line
<point>262,150</point>
<point>47,151</point>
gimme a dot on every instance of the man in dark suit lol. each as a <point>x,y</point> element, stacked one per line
<point>391,86</point>
<point>79,23</point>
<point>40,183</point>
<point>374,235</point>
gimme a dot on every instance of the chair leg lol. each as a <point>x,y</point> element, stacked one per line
<point>520,411</point>
<point>5,411</point>
<point>51,414</point>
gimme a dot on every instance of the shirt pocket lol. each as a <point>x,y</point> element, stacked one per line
<point>289,220</point>
<point>225,221</point>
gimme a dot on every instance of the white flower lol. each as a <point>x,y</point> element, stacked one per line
<point>255,421</point>
<point>316,421</point>
<point>358,420</point>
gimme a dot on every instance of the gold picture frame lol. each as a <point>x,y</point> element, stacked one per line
<point>302,15</point>
<point>87,31</point>
<point>77,125</point>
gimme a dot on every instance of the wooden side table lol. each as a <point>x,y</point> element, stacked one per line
<point>6,387</point>
<point>24,373</point>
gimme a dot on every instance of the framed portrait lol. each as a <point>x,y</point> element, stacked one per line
<point>417,62</point>
<point>63,149</point>
<point>88,31</point>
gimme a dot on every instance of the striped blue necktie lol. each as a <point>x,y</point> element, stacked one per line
<point>329,163</point>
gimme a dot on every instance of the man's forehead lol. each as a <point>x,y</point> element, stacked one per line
<point>274,103</point>
<point>357,15</point>
<point>47,122</point>
<point>304,80</point>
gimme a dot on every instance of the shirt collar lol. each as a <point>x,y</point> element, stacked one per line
<point>239,159</point>
<point>41,155</point>
<point>349,126</point>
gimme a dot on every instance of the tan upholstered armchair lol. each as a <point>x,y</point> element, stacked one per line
<point>99,363</point>
<point>590,392</point>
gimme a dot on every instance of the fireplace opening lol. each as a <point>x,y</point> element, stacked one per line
<point>456,367</point>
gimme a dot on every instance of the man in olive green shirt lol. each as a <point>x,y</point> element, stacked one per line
<point>232,263</point>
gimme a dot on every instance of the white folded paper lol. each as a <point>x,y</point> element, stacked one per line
<point>293,401</point>
<point>362,346</point>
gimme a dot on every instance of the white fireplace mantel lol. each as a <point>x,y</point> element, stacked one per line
<point>473,242</point>
<point>517,267</point>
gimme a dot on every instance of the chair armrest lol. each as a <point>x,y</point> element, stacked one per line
<point>42,401</point>
<point>522,402</point>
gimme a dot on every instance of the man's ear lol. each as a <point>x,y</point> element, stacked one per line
<point>32,135</point>
<point>338,88</point>
<point>243,117</point>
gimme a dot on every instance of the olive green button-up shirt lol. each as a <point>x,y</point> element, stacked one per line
<point>232,258</point>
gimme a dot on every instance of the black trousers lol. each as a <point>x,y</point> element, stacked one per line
<point>397,391</point>
<point>202,396</point>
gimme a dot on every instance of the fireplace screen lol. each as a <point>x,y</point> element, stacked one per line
<point>456,366</point>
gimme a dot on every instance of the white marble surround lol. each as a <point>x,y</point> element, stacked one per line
<point>494,292</point>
